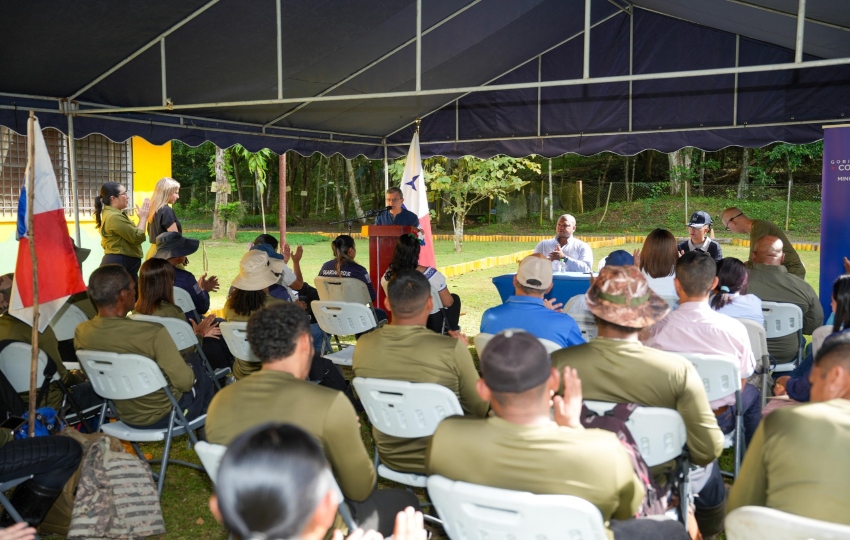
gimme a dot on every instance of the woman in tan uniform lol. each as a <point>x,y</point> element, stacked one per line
<point>121,239</point>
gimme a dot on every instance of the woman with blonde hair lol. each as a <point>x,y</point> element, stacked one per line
<point>162,218</point>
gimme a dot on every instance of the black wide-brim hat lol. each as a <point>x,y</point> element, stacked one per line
<point>173,244</point>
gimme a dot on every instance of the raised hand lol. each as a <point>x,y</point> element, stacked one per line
<point>636,255</point>
<point>145,210</point>
<point>568,408</point>
<point>553,304</point>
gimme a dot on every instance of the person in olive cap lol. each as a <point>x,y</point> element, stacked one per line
<point>176,248</point>
<point>699,228</point>
<point>522,448</point>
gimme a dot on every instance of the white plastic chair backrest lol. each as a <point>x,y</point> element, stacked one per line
<point>672,301</point>
<point>343,318</point>
<point>474,511</point>
<point>762,523</point>
<point>15,361</point>
<point>65,322</point>
<point>549,345</point>
<point>183,300</point>
<point>342,290</point>
<point>721,376</point>
<point>481,341</point>
<point>659,433</point>
<point>235,335</point>
<point>758,337</point>
<point>121,376</point>
<point>587,324</point>
<point>405,409</point>
<point>781,319</point>
<point>818,337</point>
<point>181,332</point>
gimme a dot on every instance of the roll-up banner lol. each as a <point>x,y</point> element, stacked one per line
<point>835,206</point>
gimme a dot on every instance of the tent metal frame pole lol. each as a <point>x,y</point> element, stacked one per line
<point>801,27</point>
<point>631,58</point>
<point>419,44</point>
<point>784,14</point>
<point>279,51</point>
<point>551,215</point>
<point>145,47</point>
<point>735,88</point>
<point>539,90</point>
<point>386,168</point>
<point>162,72</point>
<point>72,172</point>
<point>586,64</point>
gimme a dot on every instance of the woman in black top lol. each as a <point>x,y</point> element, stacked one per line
<point>162,218</point>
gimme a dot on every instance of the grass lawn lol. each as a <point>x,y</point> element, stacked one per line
<point>186,492</point>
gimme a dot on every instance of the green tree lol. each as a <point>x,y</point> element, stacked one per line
<point>258,165</point>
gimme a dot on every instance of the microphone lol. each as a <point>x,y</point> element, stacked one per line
<point>376,211</point>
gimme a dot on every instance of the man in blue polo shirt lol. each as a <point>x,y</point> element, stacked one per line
<point>396,215</point>
<point>527,311</point>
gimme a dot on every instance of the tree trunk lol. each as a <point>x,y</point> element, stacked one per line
<point>626,177</point>
<point>457,223</point>
<point>235,166</point>
<point>632,192</point>
<point>305,199</point>
<point>373,187</point>
<point>702,174</point>
<point>340,204</point>
<point>649,155</point>
<point>601,180</point>
<point>352,182</point>
<point>744,181</point>
<point>232,227</point>
<point>680,162</point>
<point>222,184</point>
<point>262,207</point>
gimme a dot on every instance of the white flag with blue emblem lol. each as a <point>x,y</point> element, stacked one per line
<point>416,199</point>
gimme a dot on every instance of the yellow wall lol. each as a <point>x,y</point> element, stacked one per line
<point>150,163</point>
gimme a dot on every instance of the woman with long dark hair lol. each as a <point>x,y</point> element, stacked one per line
<point>657,261</point>
<point>730,296</point>
<point>162,217</point>
<point>343,265</point>
<point>121,239</point>
<point>406,257</point>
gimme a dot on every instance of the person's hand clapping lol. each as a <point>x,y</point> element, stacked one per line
<point>636,255</point>
<point>779,389</point>
<point>568,408</point>
<point>22,531</point>
<point>298,253</point>
<point>846,265</point>
<point>207,327</point>
<point>555,255</point>
<point>553,304</point>
<point>145,210</point>
<point>286,251</point>
<point>457,334</point>
<point>209,284</point>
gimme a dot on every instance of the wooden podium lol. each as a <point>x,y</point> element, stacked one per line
<point>382,241</point>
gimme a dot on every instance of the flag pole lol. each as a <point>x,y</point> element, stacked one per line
<point>31,238</point>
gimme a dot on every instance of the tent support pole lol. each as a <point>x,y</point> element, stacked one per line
<point>281,211</point>
<point>386,168</point>
<point>279,53</point>
<point>586,71</point>
<point>72,166</point>
<point>631,57</point>
<point>735,89</point>
<point>801,25</point>
<point>419,45</point>
<point>539,90</point>
<point>162,71</point>
<point>551,217</point>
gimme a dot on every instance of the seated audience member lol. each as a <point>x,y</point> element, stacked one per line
<point>406,257</point>
<point>696,328</point>
<point>518,380</point>
<point>730,297</point>
<point>527,310</point>
<point>343,265</point>
<point>736,221</point>
<point>797,461</point>
<point>577,305</point>
<point>577,255</point>
<point>113,292</point>
<point>770,281</point>
<point>616,367</point>
<point>156,297</point>
<point>280,337</point>
<point>657,261</point>
<point>796,385</point>
<point>175,248</point>
<point>405,350</point>
<point>699,229</point>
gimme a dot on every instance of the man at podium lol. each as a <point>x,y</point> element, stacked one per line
<point>395,214</point>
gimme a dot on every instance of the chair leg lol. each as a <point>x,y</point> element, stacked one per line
<point>74,406</point>
<point>10,509</point>
<point>207,366</point>
<point>765,360</point>
<point>164,466</point>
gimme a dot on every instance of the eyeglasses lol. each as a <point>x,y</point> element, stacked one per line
<point>122,193</point>
<point>394,199</point>
<point>733,219</point>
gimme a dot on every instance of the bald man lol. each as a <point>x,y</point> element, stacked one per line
<point>577,255</point>
<point>736,221</point>
<point>772,282</point>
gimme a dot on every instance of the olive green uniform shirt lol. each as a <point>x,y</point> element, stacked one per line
<point>241,368</point>
<point>762,228</point>
<point>118,235</point>
<point>545,459</point>
<point>775,284</point>
<point>126,336</point>
<point>82,301</point>
<point>622,371</point>
<point>275,396</point>
<point>797,462</point>
<point>416,354</point>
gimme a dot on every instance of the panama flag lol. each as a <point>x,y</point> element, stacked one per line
<point>59,275</point>
<point>416,199</point>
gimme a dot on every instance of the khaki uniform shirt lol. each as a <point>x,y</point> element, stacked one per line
<point>628,372</point>
<point>775,284</point>
<point>126,336</point>
<point>241,368</point>
<point>274,396</point>
<point>797,462</point>
<point>792,262</point>
<point>416,354</point>
<point>544,459</point>
<point>118,235</point>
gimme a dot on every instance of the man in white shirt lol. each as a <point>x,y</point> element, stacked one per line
<point>576,254</point>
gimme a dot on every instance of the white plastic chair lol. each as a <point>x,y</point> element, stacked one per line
<point>481,340</point>
<point>236,338</point>
<point>818,337</point>
<point>183,300</point>
<point>344,290</point>
<point>782,319</point>
<point>758,343</point>
<point>587,324</point>
<point>473,511</point>
<point>761,523</point>
<point>406,410</point>
<point>342,319</point>
<point>184,337</point>
<point>129,376</point>
<point>65,322</point>
<point>721,377</point>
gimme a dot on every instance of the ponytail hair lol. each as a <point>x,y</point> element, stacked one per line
<point>732,280</point>
<point>342,245</point>
<point>270,482</point>
<point>405,256</point>
<point>107,191</point>
<point>841,295</point>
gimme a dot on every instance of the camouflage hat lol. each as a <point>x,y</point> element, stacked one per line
<point>5,291</point>
<point>620,295</point>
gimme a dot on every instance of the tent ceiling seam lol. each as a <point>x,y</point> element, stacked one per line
<point>785,14</point>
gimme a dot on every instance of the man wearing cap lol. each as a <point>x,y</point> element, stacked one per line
<point>405,350</point>
<point>175,248</point>
<point>698,230</point>
<point>736,221</point>
<point>521,448</point>
<point>576,254</point>
<point>616,367</point>
<point>527,310</point>
<point>113,292</point>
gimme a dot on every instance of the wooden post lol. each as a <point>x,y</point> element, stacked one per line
<point>282,204</point>
<point>31,238</point>
<point>541,203</point>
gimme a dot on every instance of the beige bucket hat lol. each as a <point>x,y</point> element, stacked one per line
<point>621,295</point>
<point>256,272</point>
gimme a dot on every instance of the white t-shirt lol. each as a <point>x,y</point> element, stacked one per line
<point>744,306</point>
<point>435,279</point>
<point>662,286</point>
